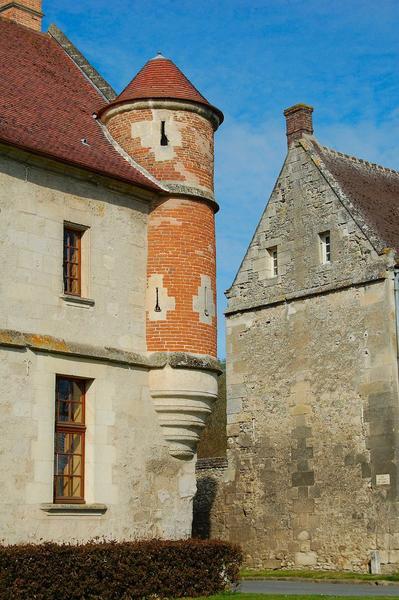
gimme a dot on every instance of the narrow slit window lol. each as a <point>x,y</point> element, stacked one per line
<point>72,261</point>
<point>273,261</point>
<point>164,139</point>
<point>69,440</point>
<point>325,245</point>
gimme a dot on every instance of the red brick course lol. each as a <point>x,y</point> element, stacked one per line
<point>23,17</point>
<point>181,247</point>
<point>298,121</point>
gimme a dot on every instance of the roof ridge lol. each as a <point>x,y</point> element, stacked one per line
<point>91,74</point>
<point>359,160</point>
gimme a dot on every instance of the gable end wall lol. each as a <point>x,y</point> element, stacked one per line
<point>312,390</point>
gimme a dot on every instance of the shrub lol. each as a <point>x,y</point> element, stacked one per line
<point>117,570</point>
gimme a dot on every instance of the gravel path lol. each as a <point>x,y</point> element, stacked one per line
<point>269,586</point>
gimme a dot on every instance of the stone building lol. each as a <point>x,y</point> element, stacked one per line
<point>312,372</point>
<point>107,291</point>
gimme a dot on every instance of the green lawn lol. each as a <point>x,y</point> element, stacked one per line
<point>276,573</point>
<point>239,596</point>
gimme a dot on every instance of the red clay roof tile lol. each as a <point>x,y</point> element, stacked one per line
<point>47,105</point>
<point>161,78</point>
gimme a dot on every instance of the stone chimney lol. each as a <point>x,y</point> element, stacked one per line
<point>24,12</point>
<point>299,122</point>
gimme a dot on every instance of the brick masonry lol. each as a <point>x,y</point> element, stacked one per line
<point>181,247</point>
<point>298,121</point>
<point>24,12</point>
<point>181,268</point>
<point>188,157</point>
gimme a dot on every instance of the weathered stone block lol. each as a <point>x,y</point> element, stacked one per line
<point>303,478</point>
<point>306,559</point>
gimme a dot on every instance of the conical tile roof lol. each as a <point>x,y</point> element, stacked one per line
<point>161,78</point>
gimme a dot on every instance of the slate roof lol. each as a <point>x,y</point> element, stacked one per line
<point>372,189</point>
<point>161,78</point>
<point>47,106</point>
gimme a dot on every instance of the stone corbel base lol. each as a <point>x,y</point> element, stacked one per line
<point>183,399</point>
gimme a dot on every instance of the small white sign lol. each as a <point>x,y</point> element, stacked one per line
<point>383,479</point>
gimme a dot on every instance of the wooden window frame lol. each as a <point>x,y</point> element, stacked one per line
<point>70,427</point>
<point>78,231</point>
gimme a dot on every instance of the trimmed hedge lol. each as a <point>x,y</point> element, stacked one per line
<point>117,570</point>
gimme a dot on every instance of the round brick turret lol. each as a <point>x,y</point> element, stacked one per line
<point>167,126</point>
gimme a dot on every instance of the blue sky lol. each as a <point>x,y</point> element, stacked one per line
<point>252,59</point>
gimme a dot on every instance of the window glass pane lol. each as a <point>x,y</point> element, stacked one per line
<point>76,487</point>
<point>63,411</point>
<point>77,413</point>
<point>70,396</point>
<point>61,487</point>
<point>69,439</point>
<point>75,443</point>
<point>60,439</point>
<point>63,389</point>
<point>76,467</point>
<point>72,260</point>
<point>325,241</point>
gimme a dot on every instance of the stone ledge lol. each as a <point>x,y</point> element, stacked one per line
<point>69,299</point>
<point>301,294</point>
<point>156,360</point>
<point>52,345</point>
<point>196,192</point>
<point>74,509</point>
<point>218,462</point>
<point>186,360</point>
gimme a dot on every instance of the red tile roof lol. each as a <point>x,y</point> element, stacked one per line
<point>47,106</point>
<point>161,78</point>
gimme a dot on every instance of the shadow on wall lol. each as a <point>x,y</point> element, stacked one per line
<point>202,507</point>
<point>213,440</point>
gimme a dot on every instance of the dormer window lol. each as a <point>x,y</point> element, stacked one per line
<point>273,261</point>
<point>325,247</point>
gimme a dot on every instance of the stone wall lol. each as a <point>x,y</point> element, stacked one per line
<point>134,488</point>
<point>213,440</point>
<point>312,387</point>
<point>208,514</point>
<point>313,431</point>
<point>35,203</point>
